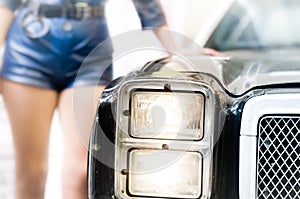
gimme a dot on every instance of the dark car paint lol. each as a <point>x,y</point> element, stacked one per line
<point>229,107</point>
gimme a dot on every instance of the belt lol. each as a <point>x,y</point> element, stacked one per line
<point>36,14</point>
<point>78,11</point>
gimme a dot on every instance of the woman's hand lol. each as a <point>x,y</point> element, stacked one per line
<point>166,38</point>
<point>6,18</point>
<point>213,52</point>
<point>1,61</point>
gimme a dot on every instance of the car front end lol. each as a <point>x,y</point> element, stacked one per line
<point>207,127</point>
<point>165,133</point>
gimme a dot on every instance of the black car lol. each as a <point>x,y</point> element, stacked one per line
<point>216,127</point>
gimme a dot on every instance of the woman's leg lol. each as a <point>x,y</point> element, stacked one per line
<point>30,112</point>
<point>0,85</point>
<point>77,110</point>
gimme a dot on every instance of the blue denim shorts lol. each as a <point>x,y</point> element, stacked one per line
<point>69,54</point>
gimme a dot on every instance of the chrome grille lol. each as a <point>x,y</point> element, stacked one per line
<point>278,174</point>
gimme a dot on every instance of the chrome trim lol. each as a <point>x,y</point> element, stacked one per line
<point>255,108</point>
<point>247,162</point>
<point>267,104</point>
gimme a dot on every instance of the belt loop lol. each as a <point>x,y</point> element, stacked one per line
<point>33,6</point>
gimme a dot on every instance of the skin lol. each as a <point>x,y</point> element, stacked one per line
<point>31,137</point>
<point>6,17</point>
<point>165,38</point>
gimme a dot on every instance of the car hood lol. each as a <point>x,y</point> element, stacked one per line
<point>241,71</point>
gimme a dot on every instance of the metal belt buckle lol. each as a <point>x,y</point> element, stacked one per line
<point>34,26</point>
<point>83,10</point>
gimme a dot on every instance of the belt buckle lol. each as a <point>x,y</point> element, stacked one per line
<point>34,25</point>
<point>83,10</point>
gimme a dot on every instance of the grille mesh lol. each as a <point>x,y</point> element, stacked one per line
<point>278,175</point>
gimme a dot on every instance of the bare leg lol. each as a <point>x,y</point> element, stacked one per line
<point>30,112</point>
<point>0,84</point>
<point>76,124</point>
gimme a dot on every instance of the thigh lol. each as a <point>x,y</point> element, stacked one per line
<point>30,112</point>
<point>77,107</point>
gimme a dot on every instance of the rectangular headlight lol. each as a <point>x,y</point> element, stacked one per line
<point>167,115</point>
<point>165,173</point>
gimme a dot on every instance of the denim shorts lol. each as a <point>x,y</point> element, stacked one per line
<point>71,53</point>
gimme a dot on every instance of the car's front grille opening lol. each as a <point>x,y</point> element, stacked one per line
<point>278,174</point>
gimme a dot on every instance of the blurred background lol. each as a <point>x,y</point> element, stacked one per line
<point>190,18</point>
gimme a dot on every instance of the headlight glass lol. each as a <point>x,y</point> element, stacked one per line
<point>165,173</point>
<point>167,115</point>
